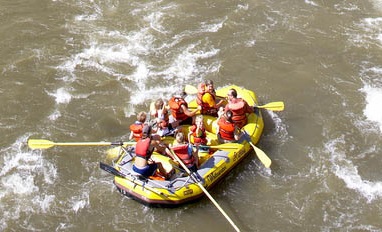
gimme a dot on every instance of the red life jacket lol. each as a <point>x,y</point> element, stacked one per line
<point>226,129</point>
<point>143,148</point>
<point>183,152</point>
<point>206,108</point>
<point>136,128</point>
<point>176,109</point>
<point>238,110</point>
<point>199,139</point>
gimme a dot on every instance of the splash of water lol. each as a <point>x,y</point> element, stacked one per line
<point>373,110</point>
<point>346,170</point>
<point>62,96</point>
<point>19,175</point>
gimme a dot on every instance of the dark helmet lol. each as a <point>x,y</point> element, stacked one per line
<point>228,115</point>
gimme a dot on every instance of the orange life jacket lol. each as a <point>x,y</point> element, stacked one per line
<point>176,109</point>
<point>143,148</point>
<point>136,128</point>
<point>199,139</point>
<point>226,129</point>
<point>238,110</point>
<point>184,152</point>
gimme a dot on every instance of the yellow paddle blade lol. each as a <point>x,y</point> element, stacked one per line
<point>114,153</point>
<point>44,144</point>
<point>263,157</point>
<point>189,89</point>
<point>274,106</point>
<point>40,144</point>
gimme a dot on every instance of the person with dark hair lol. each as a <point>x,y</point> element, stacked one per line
<point>239,108</point>
<point>143,164</point>
<point>228,131</point>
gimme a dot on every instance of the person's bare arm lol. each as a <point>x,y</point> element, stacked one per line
<point>188,112</point>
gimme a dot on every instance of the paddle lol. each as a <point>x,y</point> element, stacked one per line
<point>274,106</point>
<point>204,190</point>
<point>111,170</point>
<point>221,146</point>
<point>189,89</point>
<point>260,154</point>
<point>45,144</point>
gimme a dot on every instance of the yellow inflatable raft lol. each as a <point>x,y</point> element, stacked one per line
<point>181,188</point>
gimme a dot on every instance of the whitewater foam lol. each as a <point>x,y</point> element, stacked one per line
<point>19,184</point>
<point>309,2</point>
<point>373,110</point>
<point>372,28</point>
<point>62,96</point>
<point>133,49</point>
<point>346,170</point>
<point>44,202</point>
<point>55,115</point>
<point>19,175</point>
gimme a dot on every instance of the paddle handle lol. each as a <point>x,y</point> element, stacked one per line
<point>204,190</point>
<point>273,106</point>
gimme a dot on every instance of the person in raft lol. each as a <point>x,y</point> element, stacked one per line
<point>137,127</point>
<point>186,152</point>
<point>206,98</point>
<point>179,110</point>
<point>197,132</point>
<point>228,132</point>
<point>160,115</point>
<point>239,108</point>
<point>143,164</point>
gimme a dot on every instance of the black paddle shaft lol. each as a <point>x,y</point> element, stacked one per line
<point>110,170</point>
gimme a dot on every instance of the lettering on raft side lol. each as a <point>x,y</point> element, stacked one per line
<point>212,176</point>
<point>238,155</point>
<point>188,192</point>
